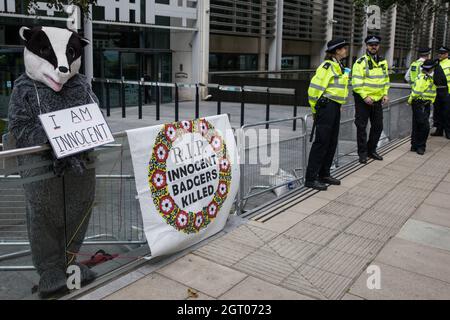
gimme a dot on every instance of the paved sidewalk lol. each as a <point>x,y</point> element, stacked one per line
<point>394,214</point>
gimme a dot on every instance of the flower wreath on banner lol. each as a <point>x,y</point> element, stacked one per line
<point>187,222</point>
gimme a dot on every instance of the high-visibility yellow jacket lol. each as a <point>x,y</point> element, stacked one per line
<point>370,79</point>
<point>414,70</point>
<point>329,81</point>
<point>445,64</point>
<point>423,89</point>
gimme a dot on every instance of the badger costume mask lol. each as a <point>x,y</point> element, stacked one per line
<point>52,55</point>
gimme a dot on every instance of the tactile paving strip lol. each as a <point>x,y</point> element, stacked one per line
<point>295,250</point>
<point>343,209</point>
<point>329,220</point>
<point>339,262</point>
<point>387,219</point>
<point>312,233</point>
<point>224,252</point>
<point>357,201</point>
<point>366,248</point>
<point>267,265</point>
<point>251,236</point>
<point>371,231</point>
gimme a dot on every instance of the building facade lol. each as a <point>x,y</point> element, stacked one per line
<point>186,40</point>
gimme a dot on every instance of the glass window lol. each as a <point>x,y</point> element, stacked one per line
<point>233,62</point>
<point>295,62</point>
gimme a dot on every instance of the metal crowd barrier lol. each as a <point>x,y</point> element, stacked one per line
<point>299,151</point>
<point>115,218</point>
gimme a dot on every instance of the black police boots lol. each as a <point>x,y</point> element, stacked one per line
<point>363,159</point>
<point>330,180</point>
<point>316,184</point>
<point>438,133</point>
<point>375,156</point>
<point>420,151</point>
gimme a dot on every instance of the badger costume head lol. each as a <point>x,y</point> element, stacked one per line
<point>52,55</point>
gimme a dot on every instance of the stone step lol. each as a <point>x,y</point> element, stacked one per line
<point>8,210</point>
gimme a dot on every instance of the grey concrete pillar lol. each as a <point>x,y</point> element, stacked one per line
<point>88,50</point>
<point>276,46</point>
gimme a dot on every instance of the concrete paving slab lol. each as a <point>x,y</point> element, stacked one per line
<point>352,180</point>
<point>310,205</point>
<point>281,222</point>
<point>152,287</point>
<point>443,187</point>
<point>371,192</point>
<point>297,282</point>
<point>113,286</point>
<point>436,215</point>
<point>399,284</point>
<point>416,258</point>
<point>206,276</point>
<point>256,289</point>
<point>349,296</point>
<point>427,234</point>
<point>438,199</point>
<point>332,193</point>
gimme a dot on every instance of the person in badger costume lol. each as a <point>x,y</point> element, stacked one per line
<point>56,213</point>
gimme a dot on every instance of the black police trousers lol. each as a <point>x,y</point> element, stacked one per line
<point>439,110</point>
<point>420,124</point>
<point>441,113</point>
<point>322,152</point>
<point>364,112</point>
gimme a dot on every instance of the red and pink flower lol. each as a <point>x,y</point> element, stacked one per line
<point>158,179</point>
<point>161,152</point>
<point>182,219</point>
<point>212,209</point>
<point>166,205</point>
<point>223,189</point>
<point>171,132</point>
<point>224,164</point>
<point>186,125</point>
<point>216,143</point>
<point>199,219</point>
<point>203,127</point>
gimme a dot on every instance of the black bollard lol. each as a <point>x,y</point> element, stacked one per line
<point>177,106</point>
<point>219,102</point>
<point>268,108</point>
<point>122,98</point>
<point>295,111</point>
<point>158,101</point>
<point>108,100</point>
<point>197,102</point>
<point>242,105</point>
<point>140,99</point>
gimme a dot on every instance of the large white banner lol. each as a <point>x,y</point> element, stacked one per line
<point>187,177</point>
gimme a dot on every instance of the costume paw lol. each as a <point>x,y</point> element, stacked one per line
<point>87,275</point>
<point>52,281</point>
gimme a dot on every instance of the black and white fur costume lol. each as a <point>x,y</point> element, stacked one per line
<point>52,60</point>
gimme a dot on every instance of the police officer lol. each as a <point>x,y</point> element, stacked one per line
<point>327,91</point>
<point>441,105</point>
<point>414,69</point>
<point>370,81</point>
<point>423,94</point>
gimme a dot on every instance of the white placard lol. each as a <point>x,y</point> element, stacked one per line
<point>74,130</point>
<point>187,177</point>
